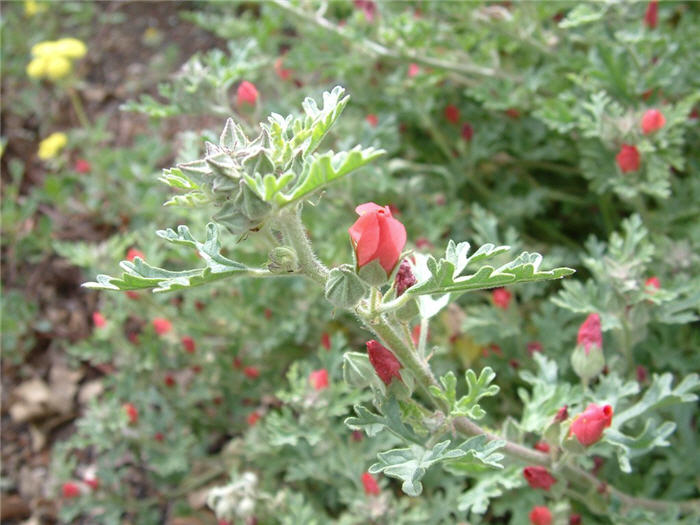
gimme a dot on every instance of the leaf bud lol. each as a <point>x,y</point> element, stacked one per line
<point>282,259</point>
<point>344,289</point>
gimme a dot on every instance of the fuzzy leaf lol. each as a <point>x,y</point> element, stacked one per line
<point>410,464</point>
<point>139,274</point>
<point>445,272</point>
<point>390,419</point>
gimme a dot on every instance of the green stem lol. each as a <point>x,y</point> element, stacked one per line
<point>292,228</point>
<point>78,108</point>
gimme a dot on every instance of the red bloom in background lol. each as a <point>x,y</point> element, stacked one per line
<point>538,477</point>
<point>652,120</point>
<point>501,298</point>
<point>384,361</point>
<point>574,519</point>
<point>628,158</point>
<point>247,93</point>
<point>159,437</point>
<point>133,253</point>
<point>589,425</point>
<point>452,113</point>
<point>169,380</point>
<point>162,326</point>
<point>283,73</point>
<point>642,374</point>
<point>319,379</point>
<point>372,120</point>
<point>540,516</point>
<point>326,340</point>
<point>70,490</point>
<point>253,418</point>
<point>252,372</point>
<point>92,482</point>
<point>369,8</point>
<point>82,166</point>
<point>467,131</point>
<point>589,333</point>
<point>370,484</point>
<point>134,296</point>
<point>188,344</point>
<point>413,70</point>
<point>653,282</point>
<point>513,113</point>
<point>131,412</point>
<point>651,17</point>
<point>98,319</point>
<point>377,235</point>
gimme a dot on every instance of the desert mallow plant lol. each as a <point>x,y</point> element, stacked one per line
<point>260,186</point>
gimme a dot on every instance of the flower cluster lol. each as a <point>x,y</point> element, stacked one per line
<point>53,59</point>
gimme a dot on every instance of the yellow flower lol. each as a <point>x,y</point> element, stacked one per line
<point>44,49</point>
<point>32,7</point>
<point>52,59</point>
<point>70,48</point>
<point>37,67</point>
<point>51,145</point>
<point>58,67</point>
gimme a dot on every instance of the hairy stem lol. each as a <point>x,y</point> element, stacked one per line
<point>294,233</point>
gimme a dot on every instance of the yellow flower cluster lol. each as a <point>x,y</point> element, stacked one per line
<point>32,7</point>
<point>51,145</point>
<point>52,59</point>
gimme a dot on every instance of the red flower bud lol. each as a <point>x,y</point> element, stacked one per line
<point>251,372</point>
<point>540,516</point>
<point>319,379</point>
<point>534,346</point>
<point>652,283</point>
<point>131,412</point>
<point>326,340</point>
<point>372,120</point>
<point>452,113</point>
<point>169,380</point>
<point>82,166</point>
<point>247,94</point>
<point>642,374</point>
<point>651,17</point>
<point>575,519</point>
<point>467,131</point>
<point>282,73</point>
<point>98,319</point>
<point>161,325</point>
<point>377,235</point>
<point>133,253</point>
<point>653,120</point>
<point>369,8</point>
<point>70,490</point>
<point>268,313</point>
<point>627,159</point>
<point>501,298</point>
<point>159,437</point>
<point>589,425</point>
<point>92,482</point>
<point>542,446</point>
<point>538,477</point>
<point>370,484</point>
<point>134,296</point>
<point>357,435</point>
<point>253,418</point>
<point>384,362</point>
<point>413,70</point>
<point>188,344</point>
<point>562,414</point>
<point>589,333</point>
<point>404,278</point>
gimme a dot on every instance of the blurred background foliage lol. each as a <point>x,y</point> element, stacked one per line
<point>501,121</point>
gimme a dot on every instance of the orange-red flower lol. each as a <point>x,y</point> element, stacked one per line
<point>377,235</point>
<point>384,361</point>
<point>589,425</point>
